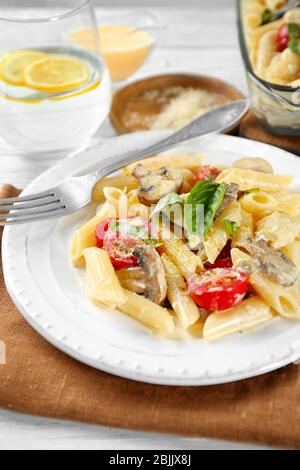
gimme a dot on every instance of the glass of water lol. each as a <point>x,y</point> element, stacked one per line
<point>54,94</point>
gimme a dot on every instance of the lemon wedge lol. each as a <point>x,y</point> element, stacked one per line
<point>13,65</point>
<point>56,73</point>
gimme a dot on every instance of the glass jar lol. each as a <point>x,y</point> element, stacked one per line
<point>276,107</point>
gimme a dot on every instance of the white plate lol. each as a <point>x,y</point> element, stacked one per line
<point>49,292</point>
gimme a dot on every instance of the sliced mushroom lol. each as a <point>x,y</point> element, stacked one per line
<point>230,196</point>
<point>255,164</point>
<point>152,265</point>
<point>156,184</point>
<point>274,264</point>
<point>133,279</point>
<point>270,228</point>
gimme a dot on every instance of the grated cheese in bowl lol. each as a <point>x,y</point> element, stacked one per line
<point>189,104</point>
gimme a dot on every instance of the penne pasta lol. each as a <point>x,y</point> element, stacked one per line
<point>84,237</point>
<point>218,236</point>
<point>120,182</point>
<point>102,283</point>
<point>259,204</point>
<point>248,179</point>
<point>279,229</point>
<point>184,307</point>
<point>187,262</point>
<point>284,300</point>
<point>292,16</point>
<point>118,199</point>
<point>284,67</point>
<point>132,197</point>
<point>139,210</point>
<point>288,202</point>
<point>266,52</point>
<point>255,35</point>
<point>145,311</point>
<point>135,208</point>
<point>239,258</point>
<point>292,251</point>
<point>244,231</point>
<point>254,14</point>
<point>249,314</point>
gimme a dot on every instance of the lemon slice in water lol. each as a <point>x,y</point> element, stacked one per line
<point>13,65</point>
<point>56,73</point>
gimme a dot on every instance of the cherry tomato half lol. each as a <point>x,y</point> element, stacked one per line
<point>120,250</point>
<point>218,289</point>
<point>219,263</point>
<point>282,38</point>
<point>121,238</point>
<point>207,172</point>
<point>224,259</point>
<point>101,230</point>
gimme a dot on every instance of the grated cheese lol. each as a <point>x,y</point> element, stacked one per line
<point>186,106</point>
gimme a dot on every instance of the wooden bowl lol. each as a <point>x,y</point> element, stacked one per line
<point>135,106</point>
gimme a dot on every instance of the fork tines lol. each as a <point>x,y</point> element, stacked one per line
<point>38,206</point>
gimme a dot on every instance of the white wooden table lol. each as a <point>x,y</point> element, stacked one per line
<point>198,40</point>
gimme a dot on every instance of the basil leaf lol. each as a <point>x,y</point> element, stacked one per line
<point>205,195</point>
<point>194,224</point>
<point>294,45</point>
<point>294,30</point>
<point>202,192</point>
<point>200,195</point>
<point>252,190</point>
<point>266,16</point>
<point>230,227</point>
<point>213,206</point>
<point>166,201</point>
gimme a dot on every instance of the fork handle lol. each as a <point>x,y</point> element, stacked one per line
<point>216,121</point>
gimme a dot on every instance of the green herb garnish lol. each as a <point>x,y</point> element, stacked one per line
<point>294,30</point>
<point>208,196</point>
<point>165,202</point>
<point>230,227</point>
<point>294,42</point>
<point>266,16</point>
<point>152,241</point>
<point>114,226</point>
<point>126,226</point>
<point>252,190</point>
<point>294,45</point>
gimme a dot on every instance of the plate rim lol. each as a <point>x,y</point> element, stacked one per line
<point>202,380</point>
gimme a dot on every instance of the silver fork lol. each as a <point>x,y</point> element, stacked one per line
<point>75,192</point>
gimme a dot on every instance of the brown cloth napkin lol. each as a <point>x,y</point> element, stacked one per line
<point>38,379</point>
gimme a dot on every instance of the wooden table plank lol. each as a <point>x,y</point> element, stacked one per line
<point>26,432</point>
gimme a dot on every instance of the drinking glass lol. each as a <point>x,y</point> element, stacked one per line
<point>54,94</point>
